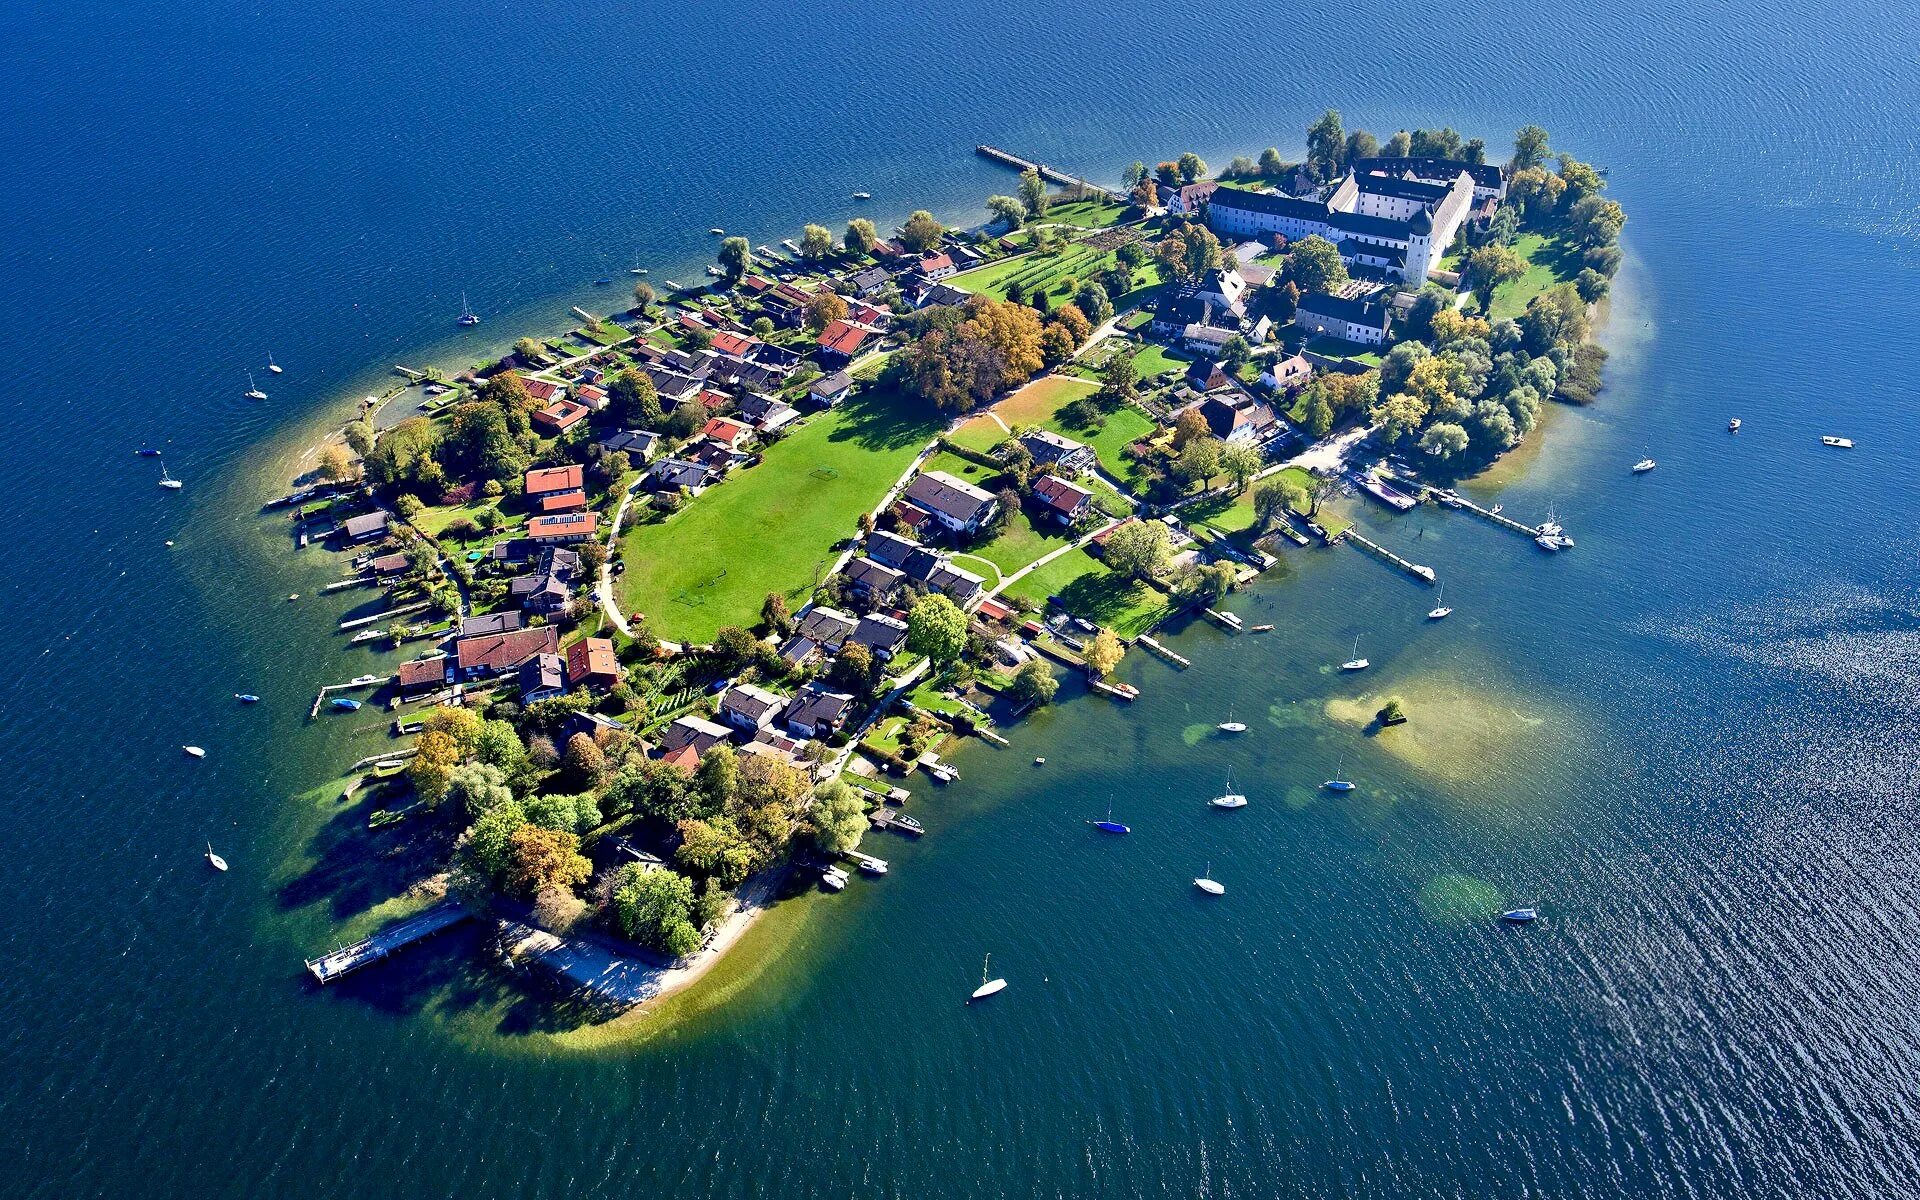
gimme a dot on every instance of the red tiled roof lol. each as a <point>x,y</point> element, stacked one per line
<point>720,429</point>
<point>554,502</point>
<point>993,610</point>
<point>561,415</point>
<point>541,389</point>
<point>1059,494</point>
<point>686,758</point>
<point>935,262</point>
<point>843,337</point>
<point>570,478</point>
<point>592,659</point>
<point>580,524</point>
<point>712,399</point>
<point>728,342</point>
<point>423,672</point>
<point>505,651</point>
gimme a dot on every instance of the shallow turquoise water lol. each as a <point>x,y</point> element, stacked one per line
<point>1705,780</point>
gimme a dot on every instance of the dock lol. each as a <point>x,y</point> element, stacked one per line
<point>398,936</point>
<point>1050,174</point>
<point>1225,620</point>
<point>1451,499</point>
<point>1385,493</point>
<point>866,862</point>
<point>990,737</point>
<point>355,581</point>
<point>359,622</point>
<point>1423,574</point>
<point>896,822</point>
<point>349,686</point>
<point>1125,692</point>
<point>1156,648</point>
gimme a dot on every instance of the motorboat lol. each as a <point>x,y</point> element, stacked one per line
<point>1356,663</point>
<point>1839,443</point>
<point>467,315</point>
<point>146,452</point>
<point>1553,541</point>
<point>1440,611</point>
<point>716,231</point>
<point>1519,916</point>
<point>1733,426</point>
<point>716,272</point>
<point>362,680</point>
<point>345,704</point>
<point>292,597</point>
<point>246,697</point>
<point>253,389</point>
<point>603,281</point>
<point>833,878</point>
<point>194,751</point>
<point>1209,886</point>
<point>1260,629</point>
<point>1495,510</point>
<point>1039,762</point>
<point>1643,466</point>
<point>863,195</point>
<point>214,860</point>
<point>988,987</point>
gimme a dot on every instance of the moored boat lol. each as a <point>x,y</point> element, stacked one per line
<point>1208,885</point>
<point>246,697</point>
<point>1839,443</point>
<point>988,987</point>
<point>214,860</point>
<point>1519,916</point>
<point>194,751</point>
<point>1109,825</point>
<point>1643,466</point>
<point>344,704</point>
<point>1733,426</point>
<point>1356,663</point>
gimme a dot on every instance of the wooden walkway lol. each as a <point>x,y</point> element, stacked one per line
<point>1451,499</point>
<point>398,936</point>
<point>1050,174</point>
<point>1423,574</point>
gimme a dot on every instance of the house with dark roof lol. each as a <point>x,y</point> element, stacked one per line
<point>497,653</point>
<point>961,586</point>
<point>696,734</point>
<point>817,712</point>
<point>1363,321</point>
<point>1050,449</point>
<point>954,503</point>
<point>592,664</point>
<point>640,445</point>
<point>1489,183</point>
<point>873,581</point>
<point>890,548</point>
<point>546,590</point>
<point>871,281</point>
<point>1238,419</point>
<point>829,390</point>
<point>881,634</point>
<point>542,677</point>
<point>385,565</point>
<point>1064,500</point>
<point>673,474</point>
<point>750,708</point>
<point>926,295</point>
<point>497,622</point>
<point>367,527</point>
<point>423,675</point>
<point>825,627</point>
<point>767,413</point>
<point>1400,227</point>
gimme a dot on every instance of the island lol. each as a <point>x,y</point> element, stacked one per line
<point>679,596</point>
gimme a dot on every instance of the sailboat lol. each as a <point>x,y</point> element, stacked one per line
<point>253,389</point>
<point>194,751</point>
<point>1230,799</point>
<point>1109,825</point>
<point>167,481</point>
<point>272,365</point>
<point>467,315</point>
<point>246,697</point>
<point>1356,663</point>
<point>1440,610</point>
<point>1520,916</point>
<point>988,987</point>
<point>1230,725</point>
<point>1644,465</point>
<point>214,860</point>
<point>1337,784</point>
<point>1207,885</point>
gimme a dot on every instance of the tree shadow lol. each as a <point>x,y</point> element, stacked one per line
<point>356,868</point>
<point>883,418</point>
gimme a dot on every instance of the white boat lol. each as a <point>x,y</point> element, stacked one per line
<point>1553,541</point>
<point>1733,426</point>
<point>1837,442</point>
<point>1495,510</point>
<point>863,195</point>
<point>272,365</point>
<point>253,389</point>
<point>467,315</point>
<point>194,751</point>
<point>214,860</point>
<point>369,635</point>
<point>1039,762</point>
<point>716,231</point>
<point>988,987</point>
<point>1208,886</point>
<point>167,481</point>
<point>294,596</point>
<point>1230,725</point>
<point>362,680</point>
<point>1643,466</point>
<point>1231,799</point>
<point>1337,784</point>
<point>716,272</point>
<point>1440,611</point>
<point>833,878</point>
<point>1551,526</point>
<point>1356,663</point>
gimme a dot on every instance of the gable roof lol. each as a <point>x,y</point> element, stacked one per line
<point>1339,308</point>
<point>815,705</point>
<point>943,493</point>
<point>737,344</point>
<point>752,702</point>
<point>1484,175</point>
<point>720,429</point>
<point>499,622</point>
<point>590,657</point>
<point>505,651</point>
<point>1062,495</point>
<point>843,337</point>
<point>1046,446</point>
<point>570,478</point>
<point>825,626</point>
<point>564,525</point>
<point>890,548</point>
<point>541,672</point>
<point>878,631</point>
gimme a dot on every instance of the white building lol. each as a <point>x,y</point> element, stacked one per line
<point>1391,223</point>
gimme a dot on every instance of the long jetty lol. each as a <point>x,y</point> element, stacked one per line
<point>1161,650</point>
<point>398,936</point>
<point>1452,499</point>
<point>1423,574</point>
<point>1050,174</point>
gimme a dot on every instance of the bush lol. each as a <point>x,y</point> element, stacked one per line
<point>1391,714</point>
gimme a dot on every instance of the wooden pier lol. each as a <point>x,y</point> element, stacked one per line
<point>897,822</point>
<point>1225,620</point>
<point>1156,648</point>
<point>1050,174</point>
<point>403,610</point>
<point>1125,692</point>
<point>1423,574</point>
<point>1452,499</point>
<point>349,686</point>
<point>398,936</point>
<point>866,862</point>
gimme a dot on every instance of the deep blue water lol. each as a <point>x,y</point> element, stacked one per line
<point>1705,716</point>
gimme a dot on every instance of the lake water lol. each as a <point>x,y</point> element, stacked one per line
<point>1690,741</point>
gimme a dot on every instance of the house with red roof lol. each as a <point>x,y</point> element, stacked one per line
<point>561,529</point>
<point>840,341</point>
<point>738,345</point>
<point>936,266</point>
<point>591,664</point>
<point>496,653</point>
<point>562,502</point>
<point>1063,499</point>
<point>549,480</point>
<point>543,390</point>
<point>560,416</point>
<point>731,434</point>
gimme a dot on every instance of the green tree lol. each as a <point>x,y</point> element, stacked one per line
<point>655,908</point>
<point>861,237</point>
<point>1326,144</point>
<point>1119,380</point>
<point>1529,148</point>
<point>530,350</point>
<point>1596,221</point>
<point>838,817</point>
<point>1132,176</point>
<point>1591,285</point>
<point>1274,499</point>
<point>824,309</point>
<point>1192,167</point>
<point>1490,266</point>
<point>1092,300</point>
<point>1271,164</point>
<point>1033,683</point>
<point>1235,354</point>
<point>477,787</point>
<point>715,847</point>
<point>1033,193</point>
<point>1199,462</point>
<point>1240,463</point>
<point>489,840</point>
<point>359,435</point>
<point>1361,145</point>
<point>816,242</point>
<point>1007,211</point>
<point>735,258</point>
<point>921,232</point>
<point>774,615</point>
<point>1581,180</point>
<point>1138,549</point>
<point>762,327</point>
<point>852,669</point>
<point>643,295</point>
<point>1314,265</point>
<point>1400,145</point>
<point>1443,439</point>
<point>936,628</point>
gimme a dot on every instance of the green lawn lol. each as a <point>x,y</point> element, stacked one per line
<point>967,469</point>
<point>1225,515</point>
<point>1155,358</point>
<point>1022,543</point>
<point>1549,261</point>
<point>1089,213</point>
<point>980,433</point>
<point>1331,347</point>
<point>1089,590</point>
<point>434,520</point>
<point>985,568</point>
<point>771,527</point>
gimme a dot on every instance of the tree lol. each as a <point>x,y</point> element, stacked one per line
<point>716,848</point>
<point>336,463</point>
<point>1034,683</point>
<point>431,771</point>
<point>1074,319</point>
<point>1273,500</point>
<point>1093,302</point>
<point>1443,439</point>
<point>1435,143</point>
<point>816,242</point>
<point>838,817</point>
<point>476,787</point>
<point>1361,145</point>
<point>1596,221</point>
<point>1132,176</point>
<point>921,231</point>
<point>824,309</point>
<point>1191,167</point>
<point>1145,194</point>
<point>643,295</point>
<point>1240,463</point>
<point>1103,653</point>
<point>1190,426</point>
<point>936,628</point>
<point>1138,549</point>
<point>762,327</point>
<point>1271,164</point>
<point>861,237</point>
<point>852,669</point>
<point>1200,461</point>
<point>774,615</point>
<point>735,258</point>
<point>1033,193</point>
<point>1398,146</point>
<point>1536,192</point>
<point>1119,380</point>
<point>1582,180</point>
<point>1241,167</point>
<point>359,435</point>
<point>488,844</point>
<point>1056,344</point>
<point>1326,144</point>
<point>1591,285</point>
<point>1009,212</point>
<point>1490,266</point>
<point>655,908</point>
<point>585,764</point>
<point>1314,265</point>
<point>530,350</point>
<point>1529,148</point>
<point>1235,354</point>
<point>539,858</point>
